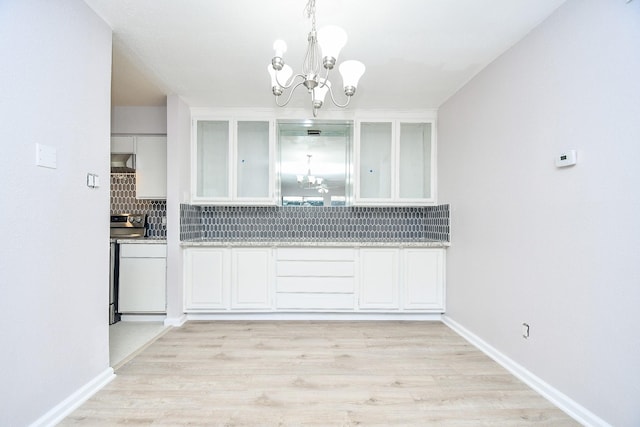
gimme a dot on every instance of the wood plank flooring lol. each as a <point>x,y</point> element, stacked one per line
<point>315,373</point>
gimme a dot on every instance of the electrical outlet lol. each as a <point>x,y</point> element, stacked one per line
<point>525,330</point>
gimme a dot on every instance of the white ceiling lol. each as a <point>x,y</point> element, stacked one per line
<point>214,53</point>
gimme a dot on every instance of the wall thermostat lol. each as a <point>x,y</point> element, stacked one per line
<point>566,158</point>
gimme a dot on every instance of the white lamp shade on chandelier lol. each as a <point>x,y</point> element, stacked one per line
<point>331,40</point>
<point>351,71</point>
<point>324,45</point>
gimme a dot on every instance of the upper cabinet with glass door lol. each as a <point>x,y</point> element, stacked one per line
<point>395,163</point>
<point>233,162</point>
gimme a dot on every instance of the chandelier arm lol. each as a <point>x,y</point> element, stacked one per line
<point>335,102</point>
<point>323,81</point>
<point>292,79</point>
<point>290,95</point>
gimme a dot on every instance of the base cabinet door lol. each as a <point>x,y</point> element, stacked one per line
<point>142,285</point>
<point>142,278</point>
<point>251,278</point>
<point>423,279</point>
<point>379,278</point>
<point>206,279</point>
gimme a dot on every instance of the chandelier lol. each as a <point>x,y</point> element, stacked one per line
<point>324,45</point>
<point>311,182</point>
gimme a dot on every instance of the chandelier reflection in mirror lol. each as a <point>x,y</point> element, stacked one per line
<point>311,182</point>
<point>324,45</point>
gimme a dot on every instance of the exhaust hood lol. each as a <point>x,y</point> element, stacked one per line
<point>122,163</point>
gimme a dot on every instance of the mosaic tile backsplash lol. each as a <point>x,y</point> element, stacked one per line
<point>365,224</point>
<point>123,200</point>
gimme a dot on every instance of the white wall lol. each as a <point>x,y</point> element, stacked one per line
<point>178,182</point>
<point>139,120</point>
<point>557,248</point>
<point>54,260</point>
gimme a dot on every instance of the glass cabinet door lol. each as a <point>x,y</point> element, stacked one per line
<point>375,160</point>
<point>414,162</point>
<point>212,160</point>
<point>253,159</point>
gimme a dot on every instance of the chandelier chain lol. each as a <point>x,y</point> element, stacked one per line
<point>312,60</point>
<point>310,11</point>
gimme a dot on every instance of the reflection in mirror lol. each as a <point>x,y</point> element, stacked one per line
<point>315,162</point>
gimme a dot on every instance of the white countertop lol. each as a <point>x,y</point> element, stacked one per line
<point>350,244</point>
<point>141,240</point>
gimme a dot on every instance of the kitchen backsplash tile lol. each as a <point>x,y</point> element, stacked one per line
<point>191,222</point>
<point>372,224</point>
<point>123,200</point>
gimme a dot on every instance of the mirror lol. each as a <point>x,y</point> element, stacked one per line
<point>315,162</point>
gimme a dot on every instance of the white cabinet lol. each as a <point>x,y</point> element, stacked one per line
<point>315,278</point>
<point>423,279</point>
<point>233,161</point>
<point>207,278</point>
<point>379,277</point>
<point>227,279</point>
<point>251,278</point>
<point>321,279</point>
<point>395,162</point>
<point>122,144</point>
<point>149,158</point>
<point>151,167</point>
<point>142,278</point>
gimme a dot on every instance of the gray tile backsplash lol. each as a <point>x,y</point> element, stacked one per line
<point>123,200</point>
<point>362,224</point>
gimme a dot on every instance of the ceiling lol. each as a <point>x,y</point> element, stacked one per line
<point>214,53</point>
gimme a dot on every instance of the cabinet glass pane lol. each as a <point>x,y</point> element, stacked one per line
<point>375,160</point>
<point>253,159</point>
<point>212,158</point>
<point>415,160</point>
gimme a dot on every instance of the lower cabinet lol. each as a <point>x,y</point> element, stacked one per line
<point>223,279</point>
<point>378,279</point>
<point>315,278</point>
<point>207,276</point>
<point>423,279</point>
<point>142,278</point>
<point>251,278</point>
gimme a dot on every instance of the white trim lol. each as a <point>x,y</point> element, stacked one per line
<point>143,317</point>
<point>77,398</point>
<point>175,321</point>
<point>555,396</point>
<point>314,316</point>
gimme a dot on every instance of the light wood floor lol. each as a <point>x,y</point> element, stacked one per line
<point>315,373</point>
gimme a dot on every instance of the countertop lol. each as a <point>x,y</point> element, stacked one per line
<point>141,240</point>
<point>316,243</point>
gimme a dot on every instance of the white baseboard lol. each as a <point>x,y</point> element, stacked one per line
<point>73,402</point>
<point>561,400</point>
<point>315,316</point>
<point>143,317</point>
<point>176,322</point>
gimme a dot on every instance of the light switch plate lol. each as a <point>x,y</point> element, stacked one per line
<point>93,180</point>
<point>46,156</point>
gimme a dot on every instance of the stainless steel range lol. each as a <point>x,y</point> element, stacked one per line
<point>128,226</point>
<point>123,226</point>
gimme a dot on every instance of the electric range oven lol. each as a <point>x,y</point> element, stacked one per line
<point>123,226</point>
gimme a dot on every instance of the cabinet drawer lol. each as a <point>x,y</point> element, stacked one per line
<point>314,301</point>
<point>315,268</point>
<point>143,250</point>
<point>315,284</point>
<point>315,254</point>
